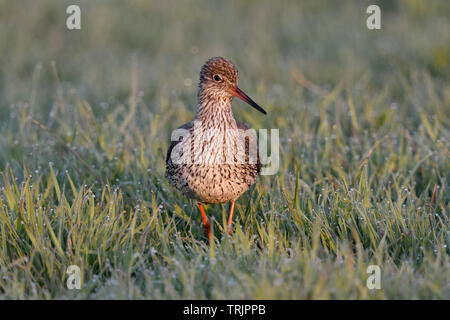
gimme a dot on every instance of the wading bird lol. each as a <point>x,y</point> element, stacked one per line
<point>214,159</point>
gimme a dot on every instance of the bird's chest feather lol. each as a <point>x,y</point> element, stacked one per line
<point>213,167</point>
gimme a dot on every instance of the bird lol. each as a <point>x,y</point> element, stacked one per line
<point>214,159</point>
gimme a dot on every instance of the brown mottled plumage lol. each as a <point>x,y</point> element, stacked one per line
<point>215,159</point>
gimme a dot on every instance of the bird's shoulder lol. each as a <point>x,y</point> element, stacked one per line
<point>242,126</point>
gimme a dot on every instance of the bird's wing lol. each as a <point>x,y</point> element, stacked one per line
<point>244,127</point>
<point>186,126</point>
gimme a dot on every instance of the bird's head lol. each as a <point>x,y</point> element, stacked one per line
<point>219,81</point>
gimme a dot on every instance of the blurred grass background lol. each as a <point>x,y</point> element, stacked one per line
<point>364,120</point>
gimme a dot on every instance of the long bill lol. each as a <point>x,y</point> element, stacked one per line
<point>241,95</point>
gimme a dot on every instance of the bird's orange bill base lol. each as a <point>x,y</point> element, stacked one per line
<point>241,95</point>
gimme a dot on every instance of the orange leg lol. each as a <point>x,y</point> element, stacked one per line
<point>230,218</point>
<point>205,220</point>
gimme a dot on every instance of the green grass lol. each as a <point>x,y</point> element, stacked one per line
<point>364,119</point>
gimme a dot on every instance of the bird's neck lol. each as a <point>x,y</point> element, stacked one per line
<point>215,112</point>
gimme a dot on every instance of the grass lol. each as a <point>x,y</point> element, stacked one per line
<point>364,119</point>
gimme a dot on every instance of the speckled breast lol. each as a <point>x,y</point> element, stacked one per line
<point>217,169</point>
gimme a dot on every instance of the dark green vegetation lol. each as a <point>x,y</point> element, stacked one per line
<point>364,119</point>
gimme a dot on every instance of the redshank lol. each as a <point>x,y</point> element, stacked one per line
<point>213,161</point>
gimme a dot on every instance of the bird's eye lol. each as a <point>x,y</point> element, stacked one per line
<point>217,78</point>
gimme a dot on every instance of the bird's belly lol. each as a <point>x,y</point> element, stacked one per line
<point>214,183</point>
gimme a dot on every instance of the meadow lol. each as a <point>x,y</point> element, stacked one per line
<point>364,122</point>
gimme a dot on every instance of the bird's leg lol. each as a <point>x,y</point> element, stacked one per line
<point>205,220</point>
<point>230,218</point>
